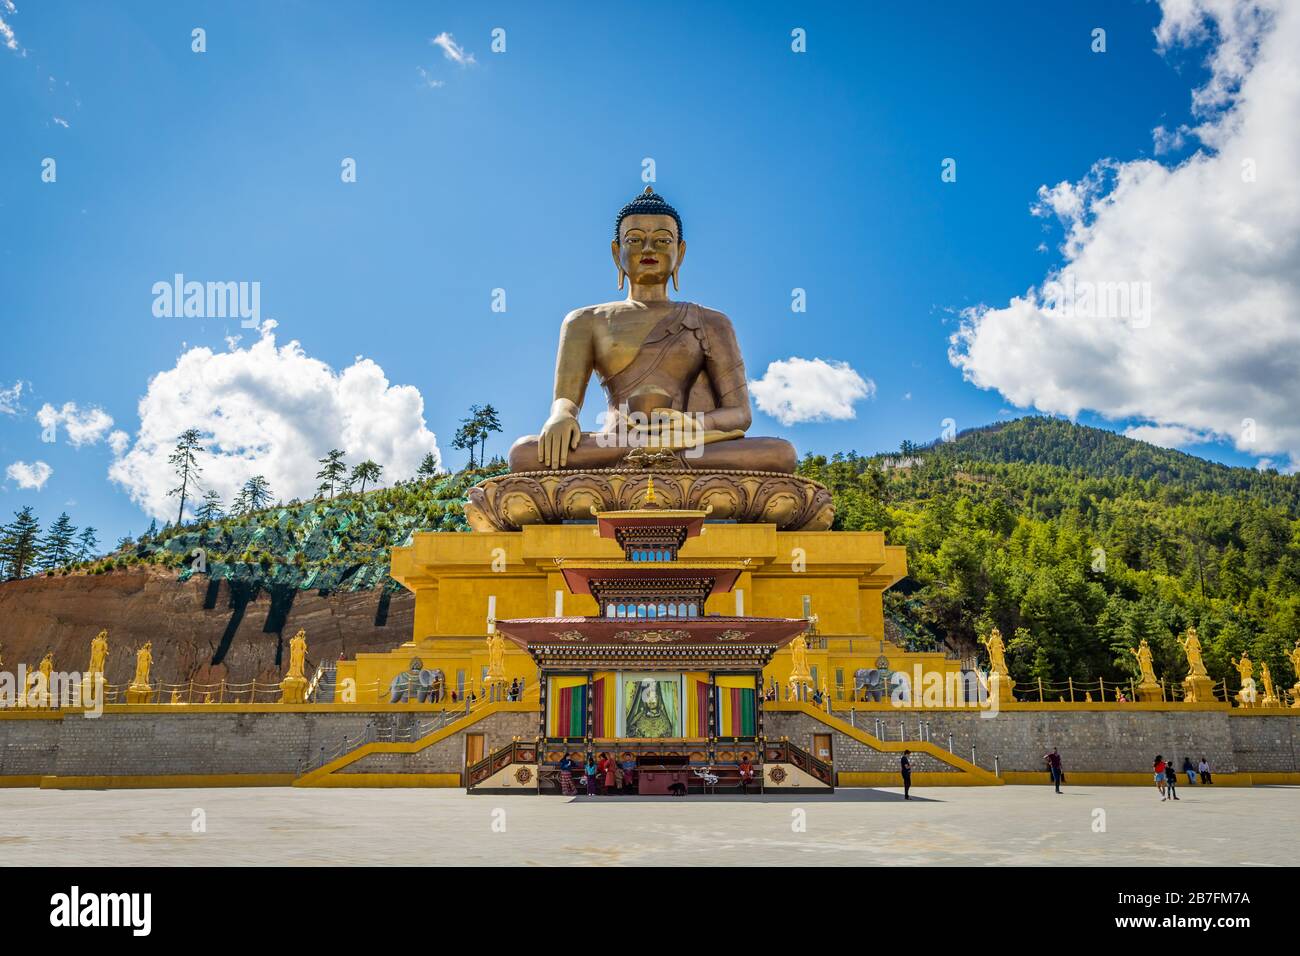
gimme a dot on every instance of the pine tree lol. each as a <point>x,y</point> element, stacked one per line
<point>368,470</point>
<point>333,471</point>
<point>486,420</point>
<point>19,545</point>
<point>186,465</point>
<point>210,510</point>
<point>87,544</point>
<point>256,494</point>
<point>57,546</point>
<point>428,467</point>
<point>466,438</point>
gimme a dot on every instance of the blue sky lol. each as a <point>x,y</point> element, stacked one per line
<point>818,170</point>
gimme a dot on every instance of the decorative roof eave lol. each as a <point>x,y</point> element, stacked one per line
<point>579,580</point>
<point>747,657</point>
<point>711,630</point>
<point>610,521</point>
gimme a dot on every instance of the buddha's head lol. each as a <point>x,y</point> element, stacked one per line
<point>648,246</point>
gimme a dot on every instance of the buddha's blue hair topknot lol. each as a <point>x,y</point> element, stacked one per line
<point>649,203</point>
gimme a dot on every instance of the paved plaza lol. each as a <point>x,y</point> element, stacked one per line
<point>979,825</point>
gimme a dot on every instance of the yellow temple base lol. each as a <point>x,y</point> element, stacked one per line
<point>462,580</point>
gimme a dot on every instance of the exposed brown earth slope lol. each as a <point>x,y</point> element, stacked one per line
<point>62,614</point>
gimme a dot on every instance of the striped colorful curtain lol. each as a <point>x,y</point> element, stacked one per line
<point>604,695</point>
<point>737,713</point>
<point>568,697</point>
<point>697,704</point>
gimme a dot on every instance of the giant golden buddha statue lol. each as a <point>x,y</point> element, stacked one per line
<point>677,403</point>
<point>672,371</point>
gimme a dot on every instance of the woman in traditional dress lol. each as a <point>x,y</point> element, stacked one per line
<point>566,775</point>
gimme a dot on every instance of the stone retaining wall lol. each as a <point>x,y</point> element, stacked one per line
<point>227,742</point>
<point>1112,741</point>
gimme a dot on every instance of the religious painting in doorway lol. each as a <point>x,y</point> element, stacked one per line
<point>652,706</point>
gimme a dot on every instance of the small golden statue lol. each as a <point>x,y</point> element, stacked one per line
<point>1295,666</point>
<point>800,672</point>
<point>44,692</point>
<point>1248,696</point>
<point>1270,692</point>
<point>139,691</point>
<point>496,672</point>
<point>93,679</point>
<point>293,689</point>
<point>1000,683</point>
<point>98,653</point>
<point>1197,686</point>
<point>1148,687</point>
<point>176,696</point>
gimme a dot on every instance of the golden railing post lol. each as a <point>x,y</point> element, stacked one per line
<point>1070,681</point>
<point>1040,690</point>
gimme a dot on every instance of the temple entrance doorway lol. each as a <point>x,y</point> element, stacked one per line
<point>475,748</point>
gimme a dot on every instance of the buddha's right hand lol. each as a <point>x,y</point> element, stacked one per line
<point>560,435</point>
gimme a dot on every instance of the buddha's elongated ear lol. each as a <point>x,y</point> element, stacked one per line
<point>618,263</point>
<point>681,254</point>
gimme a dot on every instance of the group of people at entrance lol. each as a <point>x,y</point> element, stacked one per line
<point>602,775</point>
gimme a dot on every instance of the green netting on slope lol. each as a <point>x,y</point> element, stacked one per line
<point>341,543</point>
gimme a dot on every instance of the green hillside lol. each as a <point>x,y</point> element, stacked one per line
<point>1077,542</point>
<point>326,544</point>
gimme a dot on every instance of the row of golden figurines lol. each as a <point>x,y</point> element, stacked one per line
<point>292,688</point>
<point>1197,685</point>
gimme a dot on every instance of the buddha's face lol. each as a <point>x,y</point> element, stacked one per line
<point>648,249</point>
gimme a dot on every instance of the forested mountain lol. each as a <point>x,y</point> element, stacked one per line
<point>1077,542</point>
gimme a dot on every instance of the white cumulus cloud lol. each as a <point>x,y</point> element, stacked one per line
<point>29,476</point>
<point>797,390</point>
<point>273,411</point>
<point>10,399</point>
<point>1169,436</point>
<point>452,50</point>
<point>1178,299</point>
<point>84,427</point>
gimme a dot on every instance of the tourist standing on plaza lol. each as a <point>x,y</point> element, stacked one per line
<point>1189,770</point>
<point>589,771</point>
<point>611,775</point>
<point>1159,768</point>
<point>1204,769</point>
<point>905,766</point>
<point>629,773</point>
<point>1171,779</point>
<point>566,775</point>
<point>1054,768</point>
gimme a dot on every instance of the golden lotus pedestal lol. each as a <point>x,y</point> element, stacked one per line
<point>512,502</point>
